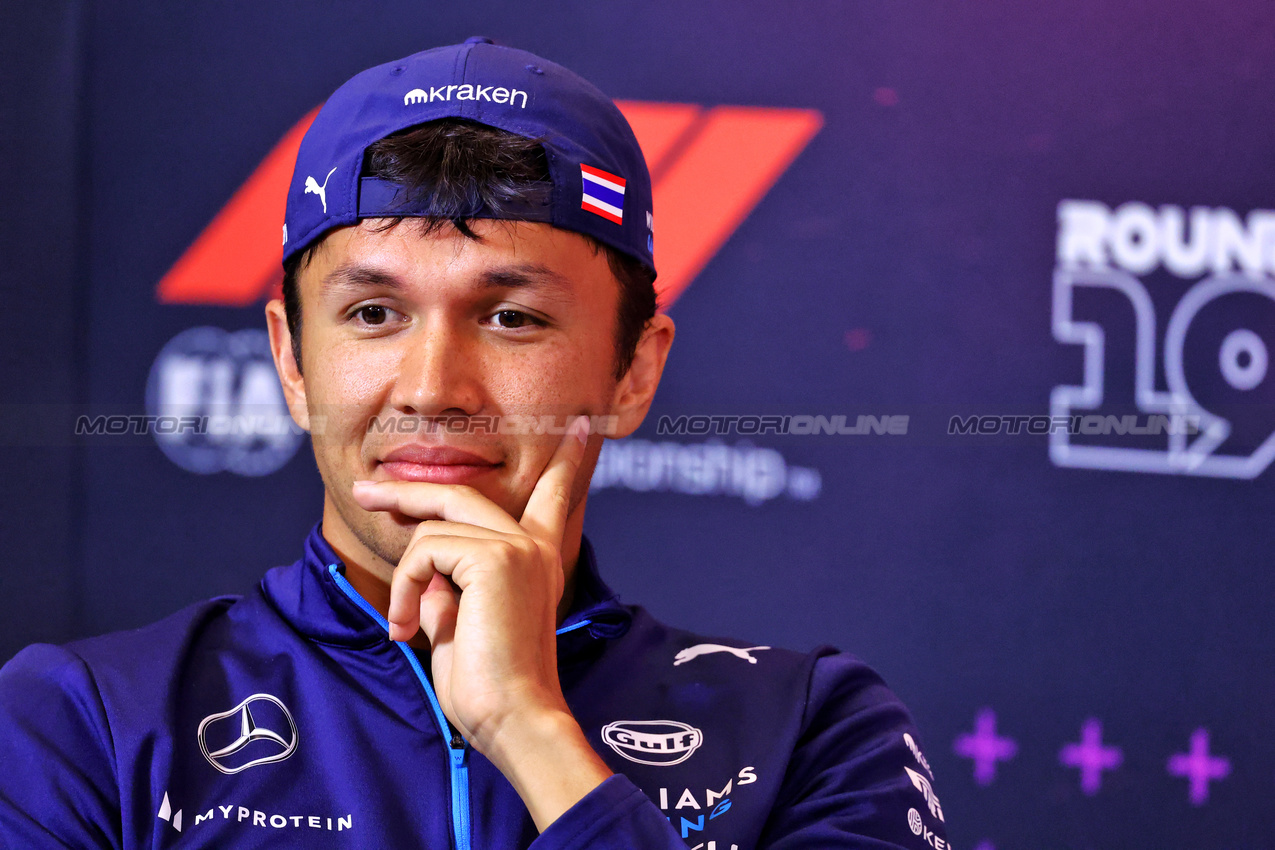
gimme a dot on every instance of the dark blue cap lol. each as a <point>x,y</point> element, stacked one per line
<point>601,186</point>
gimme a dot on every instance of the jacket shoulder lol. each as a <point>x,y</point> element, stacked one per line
<point>61,779</point>
<point>155,646</point>
<point>821,673</point>
<point>128,669</point>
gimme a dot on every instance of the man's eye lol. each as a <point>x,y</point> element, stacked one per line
<point>372,314</point>
<point>514,319</point>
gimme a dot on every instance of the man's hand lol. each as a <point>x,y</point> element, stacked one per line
<point>485,590</point>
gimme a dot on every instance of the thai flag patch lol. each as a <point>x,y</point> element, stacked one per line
<point>602,193</point>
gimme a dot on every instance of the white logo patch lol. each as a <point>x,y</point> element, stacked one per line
<point>166,813</point>
<point>656,742</point>
<point>916,752</point>
<point>927,791</point>
<point>467,91</point>
<point>693,652</point>
<point>267,745</point>
<point>312,187</point>
<point>917,824</point>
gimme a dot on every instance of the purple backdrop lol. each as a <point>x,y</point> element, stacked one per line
<point>1037,232</point>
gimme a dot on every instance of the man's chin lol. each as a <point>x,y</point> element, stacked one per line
<point>387,539</point>
<point>383,534</point>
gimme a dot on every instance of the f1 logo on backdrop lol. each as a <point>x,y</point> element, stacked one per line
<point>731,154</point>
<point>1197,285</point>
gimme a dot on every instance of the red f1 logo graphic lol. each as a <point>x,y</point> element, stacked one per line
<point>733,154</point>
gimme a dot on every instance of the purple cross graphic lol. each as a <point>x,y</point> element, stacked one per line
<point>1091,757</point>
<point>1199,767</point>
<point>985,747</point>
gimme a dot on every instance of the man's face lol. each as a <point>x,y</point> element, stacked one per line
<point>399,326</point>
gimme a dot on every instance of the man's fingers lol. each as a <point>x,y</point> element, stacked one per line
<point>545,516</point>
<point>432,559</point>
<point>463,528</point>
<point>442,528</point>
<point>405,600</point>
<point>415,575</point>
<point>425,500</point>
<point>439,609</point>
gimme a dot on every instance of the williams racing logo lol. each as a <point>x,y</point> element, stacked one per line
<point>656,742</point>
<point>1173,314</point>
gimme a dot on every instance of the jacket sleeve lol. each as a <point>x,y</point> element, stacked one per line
<point>857,777</point>
<point>614,816</point>
<point>58,785</point>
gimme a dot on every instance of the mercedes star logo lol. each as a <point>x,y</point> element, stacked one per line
<point>268,736</point>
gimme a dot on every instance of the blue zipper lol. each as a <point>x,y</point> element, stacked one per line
<point>458,749</point>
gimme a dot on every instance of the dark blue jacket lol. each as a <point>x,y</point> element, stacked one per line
<point>286,718</point>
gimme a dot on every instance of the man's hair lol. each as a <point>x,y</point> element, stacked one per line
<point>463,168</point>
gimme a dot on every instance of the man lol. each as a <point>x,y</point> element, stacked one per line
<point>468,264</point>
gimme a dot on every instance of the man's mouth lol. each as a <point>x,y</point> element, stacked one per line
<point>436,464</point>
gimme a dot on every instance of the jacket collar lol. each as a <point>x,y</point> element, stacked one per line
<point>306,595</point>
<point>595,606</point>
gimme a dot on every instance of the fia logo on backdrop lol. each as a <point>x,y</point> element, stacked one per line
<point>219,391</point>
<point>1173,310</point>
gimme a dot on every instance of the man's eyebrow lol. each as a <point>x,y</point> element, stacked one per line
<point>528,276</point>
<point>358,277</point>
<point>521,276</point>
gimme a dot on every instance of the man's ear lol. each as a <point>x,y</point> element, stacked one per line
<point>286,364</point>
<point>636,390</point>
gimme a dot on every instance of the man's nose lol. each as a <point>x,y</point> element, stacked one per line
<point>438,374</point>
